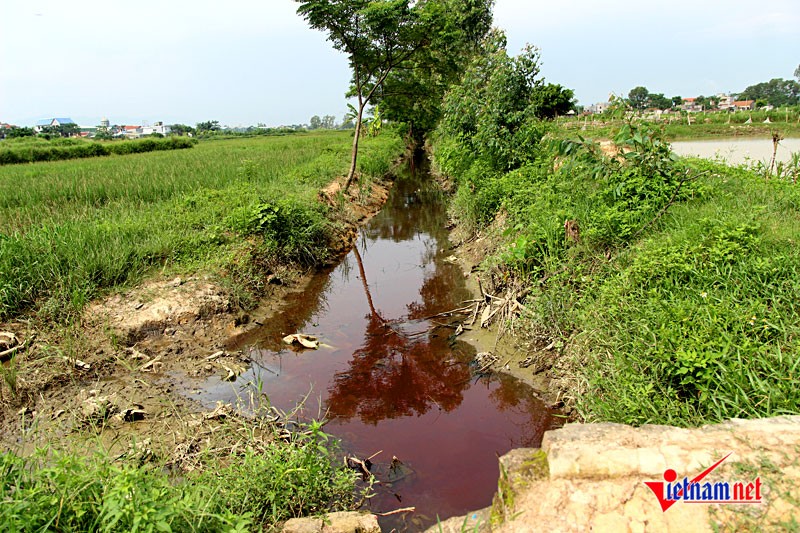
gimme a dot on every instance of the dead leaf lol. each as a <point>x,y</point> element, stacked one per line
<point>136,355</point>
<point>223,410</point>
<point>77,363</point>
<point>306,341</point>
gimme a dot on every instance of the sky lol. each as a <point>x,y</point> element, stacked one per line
<point>244,62</point>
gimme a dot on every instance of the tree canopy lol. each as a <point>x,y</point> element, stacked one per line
<point>776,92</point>
<point>494,111</point>
<point>412,93</point>
<point>209,125</point>
<point>638,97</point>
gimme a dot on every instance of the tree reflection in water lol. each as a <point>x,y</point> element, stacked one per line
<point>393,374</point>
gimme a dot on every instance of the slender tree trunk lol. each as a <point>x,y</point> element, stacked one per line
<point>366,285</point>
<point>354,157</point>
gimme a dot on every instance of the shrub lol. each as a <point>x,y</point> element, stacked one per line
<point>292,229</point>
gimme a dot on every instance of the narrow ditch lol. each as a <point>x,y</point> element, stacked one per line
<point>390,374</point>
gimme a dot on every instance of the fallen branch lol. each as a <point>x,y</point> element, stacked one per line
<point>459,311</point>
<point>398,511</point>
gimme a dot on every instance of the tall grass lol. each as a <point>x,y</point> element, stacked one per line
<point>69,229</point>
<point>16,153</point>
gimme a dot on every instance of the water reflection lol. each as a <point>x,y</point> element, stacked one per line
<point>391,377</point>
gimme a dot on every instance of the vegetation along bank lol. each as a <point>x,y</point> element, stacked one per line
<point>121,280</point>
<point>651,289</point>
<point>655,289</point>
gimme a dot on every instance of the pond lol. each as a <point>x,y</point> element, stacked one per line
<point>390,375</point>
<point>738,151</point>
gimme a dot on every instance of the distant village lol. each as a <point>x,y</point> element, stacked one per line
<point>720,102</point>
<point>105,130</point>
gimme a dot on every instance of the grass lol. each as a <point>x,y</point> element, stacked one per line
<point>255,476</point>
<point>677,305</point>
<point>71,229</point>
<point>700,317</point>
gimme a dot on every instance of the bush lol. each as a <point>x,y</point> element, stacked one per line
<point>294,230</point>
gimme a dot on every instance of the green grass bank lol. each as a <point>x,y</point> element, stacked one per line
<point>667,286</point>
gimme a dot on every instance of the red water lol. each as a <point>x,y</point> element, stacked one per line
<point>386,382</point>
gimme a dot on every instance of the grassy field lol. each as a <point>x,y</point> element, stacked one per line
<point>71,229</point>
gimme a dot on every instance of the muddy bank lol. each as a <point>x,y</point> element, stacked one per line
<point>139,350</point>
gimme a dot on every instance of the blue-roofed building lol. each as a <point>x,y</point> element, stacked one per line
<point>52,122</point>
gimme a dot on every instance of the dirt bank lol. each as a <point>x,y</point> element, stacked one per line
<point>129,367</point>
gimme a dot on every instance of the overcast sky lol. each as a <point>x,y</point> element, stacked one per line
<point>248,61</point>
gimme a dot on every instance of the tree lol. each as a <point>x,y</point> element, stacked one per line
<point>181,129</point>
<point>208,126</point>
<point>315,123</point>
<point>777,92</point>
<point>20,132</point>
<point>103,133</point>
<point>376,36</point>
<point>677,101</point>
<point>638,97</point>
<point>329,122</point>
<point>492,112</point>
<point>658,101</point>
<point>551,100</point>
<point>413,93</point>
<point>797,73</point>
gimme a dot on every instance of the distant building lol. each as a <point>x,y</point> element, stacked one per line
<point>691,105</point>
<point>41,124</point>
<point>725,102</point>
<point>158,127</point>
<point>744,105</point>
<point>598,108</point>
<point>131,132</point>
